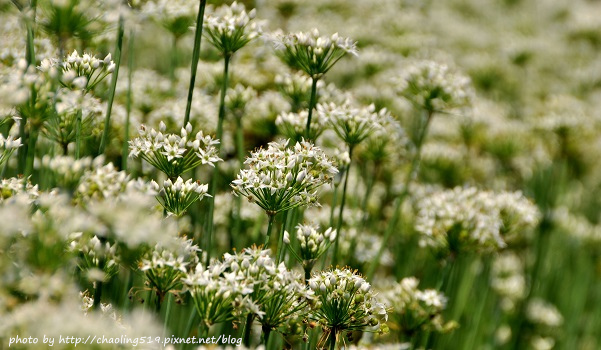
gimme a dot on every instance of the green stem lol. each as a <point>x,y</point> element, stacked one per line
<point>312,103</point>
<point>33,138</point>
<point>237,225</point>
<point>333,340</point>
<point>280,250</point>
<point>78,133</point>
<point>167,312</point>
<point>130,74</point>
<point>195,58</point>
<point>214,177</point>
<point>266,333</point>
<point>342,202</point>
<point>269,228</point>
<point>109,107</point>
<point>247,329</point>
<point>413,171</point>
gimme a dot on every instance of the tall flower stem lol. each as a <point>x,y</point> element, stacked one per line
<point>413,171</point>
<point>109,107</point>
<point>312,103</point>
<point>173,64</point>
<point>195,58</point>
<point>333,340</point>
<point>247,329</point>
<point>280,250</point>
<point>342,202</point>
<point>78,122</point>
<point>30,57</point>
<point>269,229</point>
<point>33,138</point>
<point>213,186</point>
<point>238,201</point>
<point>130,73</point>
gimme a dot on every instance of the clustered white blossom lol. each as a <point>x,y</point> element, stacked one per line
<point>351,123</point>
<point>176,196</point>
<point>277,294</point>
<point>238,97</point>
<point>81,71</point>
<point>95,253</point>
<point>17,185</point>
<point>468,218</point>
<point>310,52</point>
<point>312,243</point>
<point>293,125</point>
<point>167,264</point>
<point>416,309</point>
<point>508,280</point>
<point>8,146</point>
<point>174,154</point>
<point>175,15</point>
<point>345,303</point>
<point>544,314</point>
<point>434,86</point>
<point>68,171</point>
<point>281,178</point>
<point>229,28</point>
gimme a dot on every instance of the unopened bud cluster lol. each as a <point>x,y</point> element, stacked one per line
<point>176,196</point>
<point>230,28</point>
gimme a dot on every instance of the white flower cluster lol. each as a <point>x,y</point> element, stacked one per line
<point>277,295</point>
<point>174,154</point>
<point>238,97</point>
<point>312,243</point>
<point>434,86</point>
<point>82,72</point>
<point>218,295</point>
<point>310,52</point>
<point>106,182</point>
<point>168,263</point>
<point>175,15</point>
<point>352,124</point>
<point>7,147</point>
<point>17,185</point>
<point>293,125</point>
<point>416,309</point>
<point>346,302</point>
<point>177,196</point>
<point>95,254</point>
<point>467,218</point>
<point>543,313</point>
<point>281,178</point>
<point>577,226</point>
<point>508,280</point>
<point>68,171</point>
<point>229,28</point>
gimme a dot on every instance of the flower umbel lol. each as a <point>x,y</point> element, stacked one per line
<point>281,178</point>
<point>174,154</point>
<point>230,28</point>
<point>177,196</point>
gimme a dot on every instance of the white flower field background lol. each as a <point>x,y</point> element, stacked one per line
<point>342,174</point>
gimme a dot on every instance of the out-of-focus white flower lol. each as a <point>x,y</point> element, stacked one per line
<point>230,28</point>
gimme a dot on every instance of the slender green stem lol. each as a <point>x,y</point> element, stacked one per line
<point>269,228</point>
<point>33,138</point>
<point>237,225</point>
<point>266,334</point>
<point>195,58</point>
<point>247,329</point>
<point>413,171</point>
<point>30,57</point>
<point>167,312</point>
<point>342,202</point>
<point>333,340</point>
<point>312,103</point>
<point>214,177</point>
<point>78,133</point>
<point>130,74</point>
<point>280,250</point>
<point>109,107</point>
<point>173,64</point>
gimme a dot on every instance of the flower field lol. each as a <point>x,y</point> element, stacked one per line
<point>286,174</point>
